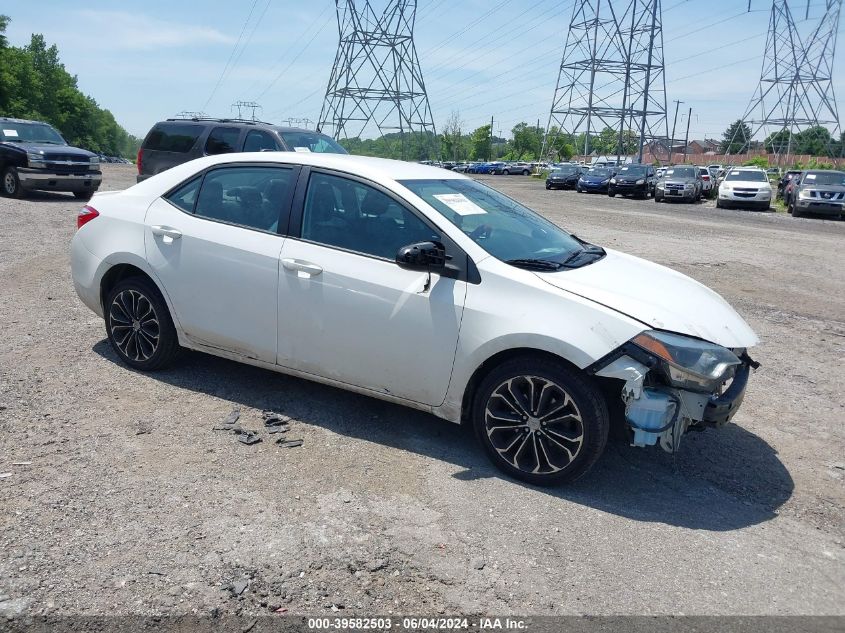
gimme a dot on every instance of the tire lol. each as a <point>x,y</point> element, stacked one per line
<point>12,184</point>
<point>506,173</point>
<point>83,195</point>
<point>525,172</point>
<point>565,445</point>
<point>719,204</point>
<point>579,190</point>
<point>611,195</point>
<point>134,312</point>
<point>658,198</point>
<point>795,212</point>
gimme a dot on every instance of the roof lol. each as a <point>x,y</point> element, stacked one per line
<point>381,170</point>
<point>211,120</point>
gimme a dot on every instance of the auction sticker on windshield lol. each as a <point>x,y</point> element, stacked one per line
<point>460,204</point>
<point>10,132</point>
<point>302,150</point>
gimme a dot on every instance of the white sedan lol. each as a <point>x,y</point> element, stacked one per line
<point>745,187</point>
<point>418,286</point>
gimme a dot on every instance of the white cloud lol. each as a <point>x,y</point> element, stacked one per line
<point>120,30</point>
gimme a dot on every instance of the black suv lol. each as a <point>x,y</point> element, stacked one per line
<point>633,180</point>
<point>176,141</point>
<point>33,155</point>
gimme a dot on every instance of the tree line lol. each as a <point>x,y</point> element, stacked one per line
<point>34,84</point>
<point>815,141</point>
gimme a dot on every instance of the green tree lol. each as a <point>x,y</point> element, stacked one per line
<point>481,143</point>
<point>736,138</point>
<point>526,141</point>
<point>34,84</point>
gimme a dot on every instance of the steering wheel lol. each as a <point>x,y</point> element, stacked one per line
<point>482,231</point>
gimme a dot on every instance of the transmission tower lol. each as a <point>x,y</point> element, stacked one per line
<point>612,76</point>
<point>376,85</point>
<point>795,92</point>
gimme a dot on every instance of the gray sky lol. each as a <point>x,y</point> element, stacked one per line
<point>147,61</point>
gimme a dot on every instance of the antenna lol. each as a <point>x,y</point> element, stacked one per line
<point>612,76</point>
<point>376,85</point>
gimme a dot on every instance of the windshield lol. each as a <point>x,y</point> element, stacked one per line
<point>681,172</point>
<point>501,226</point>
<point>599,171</point>
<point>632,170</point>
<point>30,133</point>
<point>312,142</point>
<point>747,175</point>
<point>825,178</point>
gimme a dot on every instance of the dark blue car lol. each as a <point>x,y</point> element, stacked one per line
<point>595,180</point>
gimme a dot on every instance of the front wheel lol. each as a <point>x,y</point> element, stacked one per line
<point>12,184</point>
<point>612,194</point>
<point>525,172</point>
<point>139,326</point>
<point>539,420</point>
<point>83,195</point>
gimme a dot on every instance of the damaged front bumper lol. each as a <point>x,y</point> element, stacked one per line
<point>657,412</point>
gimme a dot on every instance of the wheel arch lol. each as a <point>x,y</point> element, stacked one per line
<point>488,365</point>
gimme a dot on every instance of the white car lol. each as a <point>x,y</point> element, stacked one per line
<point>417,286</point>
<point>745,187</point>
<point>706,181</point>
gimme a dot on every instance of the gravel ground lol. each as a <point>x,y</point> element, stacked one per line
<point>122,500</point>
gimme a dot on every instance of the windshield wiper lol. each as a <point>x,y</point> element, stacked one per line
<point>535,264</point>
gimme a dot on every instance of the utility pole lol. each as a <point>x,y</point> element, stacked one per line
<point>490,150</point>
<point>686,138</point>
<point>376,84</point>
<point>674,125</point>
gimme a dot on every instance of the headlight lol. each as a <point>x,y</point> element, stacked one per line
<point>641,181</point>
<point>689,363</point>
<point>613,181</point>
<point>689,185</point>
<point>725,187</point>
<point>660,185</point>
<point>35,159</point>
<point>95,163</point>
<point>604,181</point>
<point>804,195</point>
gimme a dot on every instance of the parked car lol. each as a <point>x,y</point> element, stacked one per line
<point>819,191</point>
<point>633,180</point>
<point>658,174</point>
<point>487,168</point>
<point>595,180</point>
<point>681,182</point>
<point>787,182</point>
<point>461,168</point>
<point>376,263</point>
<point>746,187</point>
<point>176,141</point>
<point>35,156</point>
<point>564,177</point>
<point>707,183</point>
<point>506,169</point>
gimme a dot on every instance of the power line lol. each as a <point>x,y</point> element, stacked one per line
<point>231,56</point>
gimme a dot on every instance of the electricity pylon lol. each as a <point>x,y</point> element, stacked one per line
<point>376,85</point>
<point>612,76</point>
<point>795,92</point>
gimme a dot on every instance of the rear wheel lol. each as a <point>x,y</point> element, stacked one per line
<point>139,326</point>
<point>540,421</point>
<point>506,173</point>
<point>12,184</point>
<point>525,172</point>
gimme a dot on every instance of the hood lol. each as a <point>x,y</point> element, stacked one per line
<point>830,188</point>
<point>592,178</point>
<point>660,297</point>
<point>46,148</point>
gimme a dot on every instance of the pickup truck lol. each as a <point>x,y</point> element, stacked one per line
<point>34,156</point>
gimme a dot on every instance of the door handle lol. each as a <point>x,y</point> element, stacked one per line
<point>166,231</point>
<point>301,267</point>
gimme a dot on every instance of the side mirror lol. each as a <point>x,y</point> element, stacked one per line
<point>422,256</point>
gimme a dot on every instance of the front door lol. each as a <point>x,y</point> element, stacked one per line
<point>213,244</point>
<point>348,312</point>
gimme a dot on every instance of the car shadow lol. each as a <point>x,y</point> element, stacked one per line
<point>721,480</point>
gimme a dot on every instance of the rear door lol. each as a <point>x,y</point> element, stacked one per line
<point>347,311</point>
<point>214,244</point>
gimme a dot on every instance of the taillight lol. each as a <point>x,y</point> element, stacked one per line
<point>139,158</point>
<point>86,214</point>
<point>705,177</point>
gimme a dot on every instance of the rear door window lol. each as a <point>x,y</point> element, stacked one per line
<point>259,141</point>
<point>222,140</point>
<point>255,197</point>
<point>185,197</point>
<point>178,138</point>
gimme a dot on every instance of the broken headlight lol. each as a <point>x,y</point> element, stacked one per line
<point>689,363</point>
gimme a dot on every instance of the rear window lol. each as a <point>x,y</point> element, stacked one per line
<point>173,138</point>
